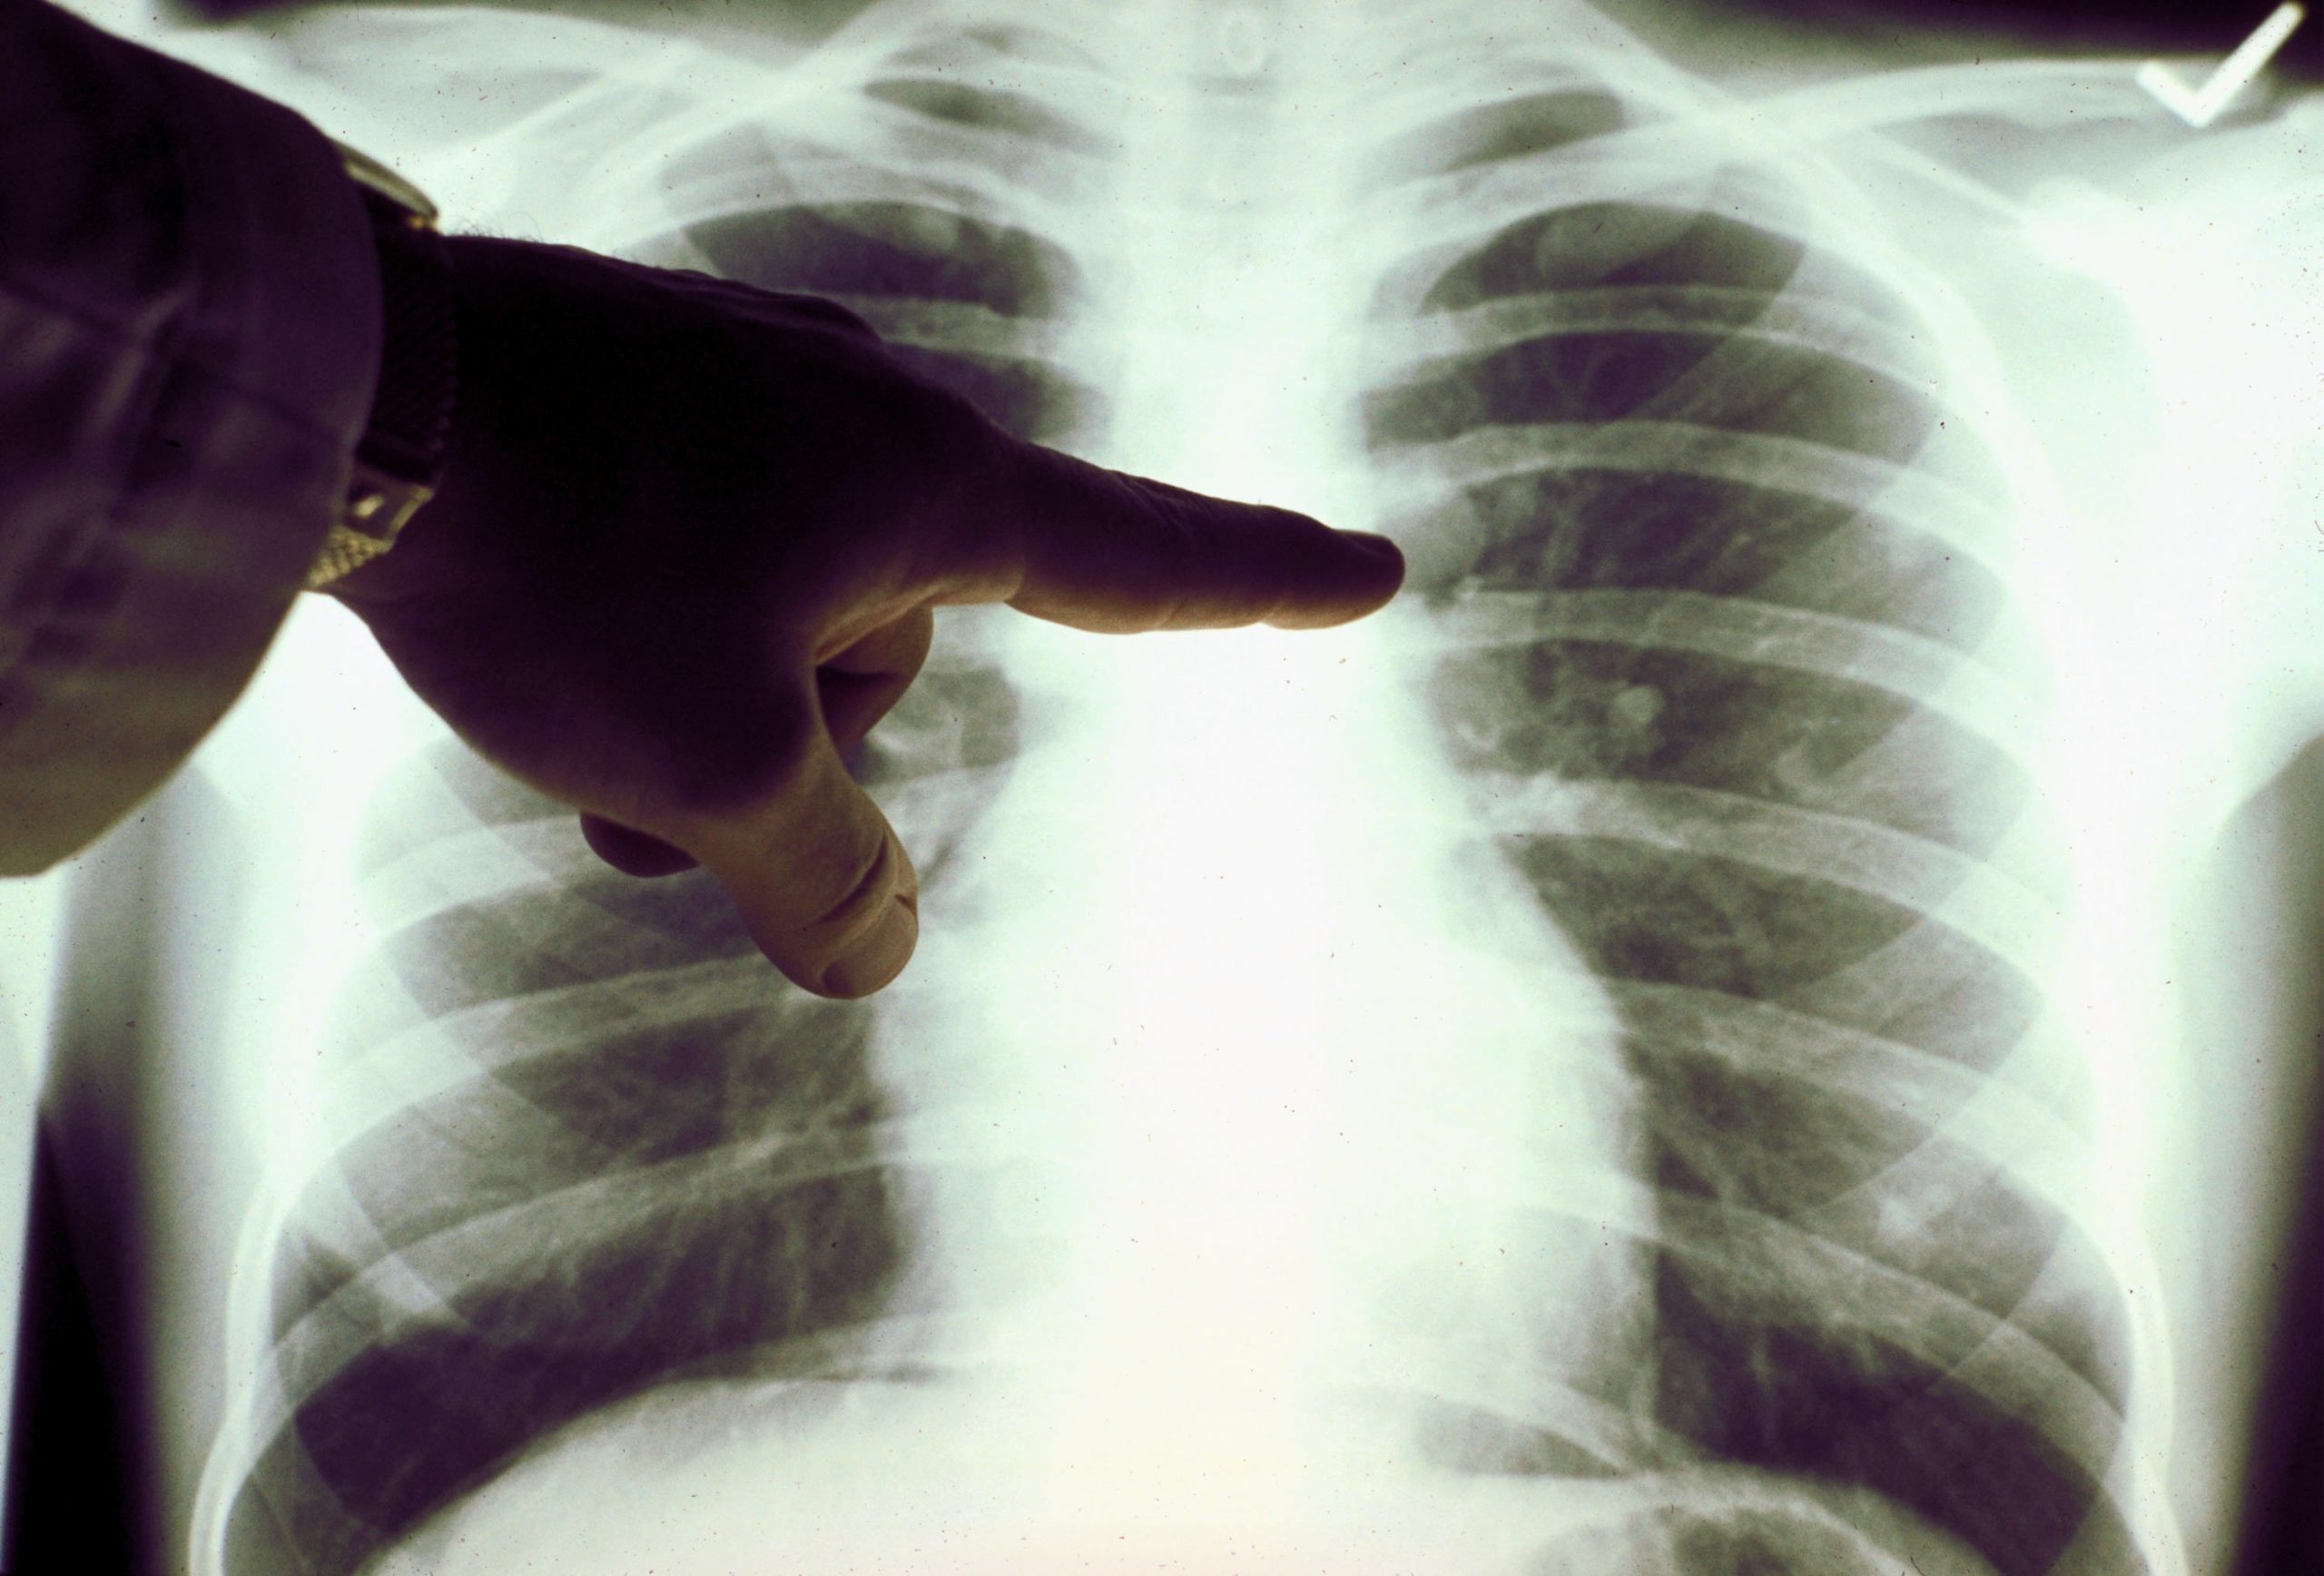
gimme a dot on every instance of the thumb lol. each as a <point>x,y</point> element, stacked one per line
<point>818,877</point>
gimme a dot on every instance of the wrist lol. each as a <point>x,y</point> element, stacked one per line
<point>400,460</point>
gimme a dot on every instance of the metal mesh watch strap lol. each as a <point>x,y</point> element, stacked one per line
<point>408,436</point>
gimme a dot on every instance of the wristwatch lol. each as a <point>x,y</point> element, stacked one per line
<point>407,436</point>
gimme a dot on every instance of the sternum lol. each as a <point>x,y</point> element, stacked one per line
<point>1230,302</point>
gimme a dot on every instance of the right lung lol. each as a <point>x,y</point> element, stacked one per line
<point>663,1164</point>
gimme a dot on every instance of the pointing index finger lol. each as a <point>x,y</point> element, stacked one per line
<point>1102,550</point>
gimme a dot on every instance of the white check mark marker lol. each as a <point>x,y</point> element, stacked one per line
<point>2200,108</point>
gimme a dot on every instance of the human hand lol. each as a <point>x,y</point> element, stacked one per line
<point>686,554</point>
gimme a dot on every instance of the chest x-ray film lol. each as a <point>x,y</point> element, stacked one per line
<point>1758,1020</point>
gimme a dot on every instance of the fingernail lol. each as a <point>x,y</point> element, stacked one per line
<point>877,959</point>
<point>1371,542</point>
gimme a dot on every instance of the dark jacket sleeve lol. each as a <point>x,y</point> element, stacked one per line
<point>189,337</point>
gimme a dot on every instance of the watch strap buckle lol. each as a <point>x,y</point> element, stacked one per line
<point>378,508</point>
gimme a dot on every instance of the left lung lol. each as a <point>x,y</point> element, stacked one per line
<point>1725,646</point>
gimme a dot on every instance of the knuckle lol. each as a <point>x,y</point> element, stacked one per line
<point>720,769</point>
<point>868,889</point>
<point>958,434</point>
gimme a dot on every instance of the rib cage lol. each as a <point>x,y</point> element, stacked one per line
<point>1726,650</point>
<point>1772,785</point>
